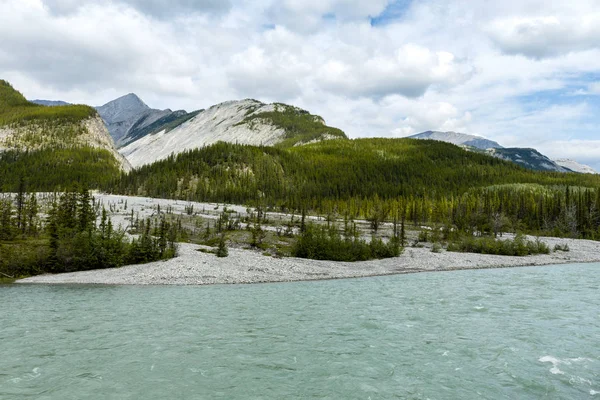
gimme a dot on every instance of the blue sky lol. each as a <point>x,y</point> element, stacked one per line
<point>522,72</point>
<point>393,12</point>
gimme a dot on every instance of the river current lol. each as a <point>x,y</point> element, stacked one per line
<point>521,333</point>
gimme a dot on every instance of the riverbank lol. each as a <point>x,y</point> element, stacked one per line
<point>193,267</point>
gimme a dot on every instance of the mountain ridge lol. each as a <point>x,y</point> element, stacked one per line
<point>575,166</point>
<point>458,139</point>
<point>526,157</point>
<point>246,121</point>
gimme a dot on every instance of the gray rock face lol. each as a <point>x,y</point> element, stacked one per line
<point>528,158</point>
<point>575,166</point>
<point>126,112</point>
<point>459,139</point>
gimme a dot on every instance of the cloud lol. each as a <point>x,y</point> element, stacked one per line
<point>505,70</point>
<point>254,73</point>
<point>410,71</point>
<point>594,88</point>
<point>92,48</point>
<point>547,36</point>
<point>155,8</point>
<point>308,15</point>
<point>444,116</point>
<point>583,151</point>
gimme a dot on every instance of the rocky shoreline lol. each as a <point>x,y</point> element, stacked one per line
<point>193,267</point>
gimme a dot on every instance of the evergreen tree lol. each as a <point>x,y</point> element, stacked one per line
<point>222,250</point>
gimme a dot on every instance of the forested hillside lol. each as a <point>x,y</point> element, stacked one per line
<point>53,147</point>
<point>379,179</point>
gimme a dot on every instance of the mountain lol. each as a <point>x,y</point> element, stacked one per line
<point>245,122</point>
<point>127,112</point>
<point>525,157</point>
<point>166,123</point>
<point>50,103</point>
<point>460,139</point>
<point>575,166</point>
<point>528,158</point>
<point>53,147</point>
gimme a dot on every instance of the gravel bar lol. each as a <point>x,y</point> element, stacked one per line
<point>193,267</point>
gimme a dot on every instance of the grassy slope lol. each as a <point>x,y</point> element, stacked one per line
<point>15,109</point>
<point>300,126</point>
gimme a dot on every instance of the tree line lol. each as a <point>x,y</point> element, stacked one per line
<point>424,182</point>
<point>68,236</point>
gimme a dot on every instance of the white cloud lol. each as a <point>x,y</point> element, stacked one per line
<point>594,88</point>
<point>409,71</point>
<point>546,36</point>
<point>506,70</point>
<point>156,8</point>
<point>583,151</point>
<point>309,15</point>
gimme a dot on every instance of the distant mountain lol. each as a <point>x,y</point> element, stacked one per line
<point>122,114</point>
<point>53,147</point>
<point>528,158</point>
<point>50,103</point>
<point>460,139</point>
<point>244,122</point>
<point>575,166</point>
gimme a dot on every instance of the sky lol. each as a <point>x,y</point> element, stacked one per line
<point>525,73</point>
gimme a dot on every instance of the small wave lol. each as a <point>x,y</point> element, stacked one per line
<point>577,379</point>
<point>593,392</point>
<point>555,363</point>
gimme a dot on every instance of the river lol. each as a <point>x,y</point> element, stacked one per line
<point>521,333</point>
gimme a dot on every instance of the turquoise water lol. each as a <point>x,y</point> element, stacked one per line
<point>524,333</point>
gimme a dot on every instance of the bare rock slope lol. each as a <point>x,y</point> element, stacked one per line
<point>245,122</point>
<point>575,166</point>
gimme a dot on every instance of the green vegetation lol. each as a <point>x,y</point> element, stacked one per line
<point>323,243</point>
<point>222,250</point>
<point>67,238</point>
<point>424,182</point>
<point>45,145</point>
<point>300,126</point>
<point>519,246</point>
<point>15,109</point>
<point>55,169</point>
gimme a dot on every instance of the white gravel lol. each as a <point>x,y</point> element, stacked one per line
<point>193,267</point>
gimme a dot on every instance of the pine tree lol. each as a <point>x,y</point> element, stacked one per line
<point>31,213</point>
<point>21,221</point>
<point>85,216</point>
<point>222,250</point>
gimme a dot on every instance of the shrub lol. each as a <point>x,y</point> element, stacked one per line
<point>322,243</point>
<point>519,246</point>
